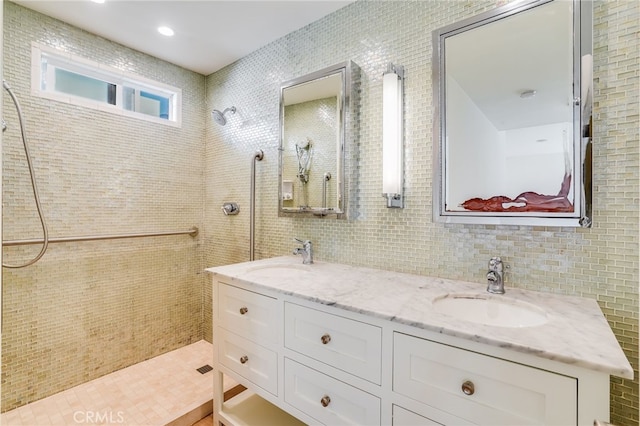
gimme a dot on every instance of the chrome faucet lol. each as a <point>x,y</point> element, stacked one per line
<point>495,276</point>
<point>306,251</point>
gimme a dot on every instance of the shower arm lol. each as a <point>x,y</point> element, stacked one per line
<point>257,156</point>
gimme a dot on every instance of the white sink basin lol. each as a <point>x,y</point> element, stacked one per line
<point>278,270</point>
<point>498,311</point>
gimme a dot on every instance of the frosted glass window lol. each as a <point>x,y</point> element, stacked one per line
<point>81,82</point>
<point>85,87</point>
<point>147,103</point>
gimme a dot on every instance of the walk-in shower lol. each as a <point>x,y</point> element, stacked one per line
<point>219,117</point>
<point>121,280</point>
<point>34,186</point>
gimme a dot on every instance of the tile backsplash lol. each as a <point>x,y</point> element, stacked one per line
<point>599,263</point>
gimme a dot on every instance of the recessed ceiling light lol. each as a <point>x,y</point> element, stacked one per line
<point>165,31</point>
<point>98,1</point>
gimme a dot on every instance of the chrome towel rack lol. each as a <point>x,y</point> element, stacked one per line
<point>193,232</point>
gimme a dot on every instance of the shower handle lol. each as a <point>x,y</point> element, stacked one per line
<point>230,208</point>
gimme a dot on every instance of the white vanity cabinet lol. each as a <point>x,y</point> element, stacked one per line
<point>305,361</point>
<point>278,349</point>
<point>481,387</point>
<point>247,336</point>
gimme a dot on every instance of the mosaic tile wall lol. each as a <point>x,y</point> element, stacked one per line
<point>313,122</point>
<point>599,263</point>
<point>89,308</point>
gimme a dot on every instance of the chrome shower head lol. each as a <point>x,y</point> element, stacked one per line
<point>218,116</point>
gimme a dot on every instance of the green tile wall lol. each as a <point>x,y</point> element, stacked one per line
<point>302,128</point>
<point>89,308</point>
<point>599,263</point>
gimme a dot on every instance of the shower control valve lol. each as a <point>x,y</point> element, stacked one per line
<point>230,209</point>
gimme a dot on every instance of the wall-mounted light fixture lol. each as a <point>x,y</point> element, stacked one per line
<point>393,136</point>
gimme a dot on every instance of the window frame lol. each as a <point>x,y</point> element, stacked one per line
<point>57,59</point>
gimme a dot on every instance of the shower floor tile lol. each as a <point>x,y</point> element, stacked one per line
<point>165,390</point>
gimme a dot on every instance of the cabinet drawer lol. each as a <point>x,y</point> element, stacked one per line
<point>248,314</point>
<point>250,360</point>
<point>349,345</point>
<point>326,399</point>
<point>499,392</point>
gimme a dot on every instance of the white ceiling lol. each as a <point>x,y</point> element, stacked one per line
<point>495,63</point>
<point>209,34</point>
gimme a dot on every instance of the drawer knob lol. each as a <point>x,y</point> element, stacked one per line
<point>325,401</point>
<point>244,359</point>
<point>325,339</point>
<point>468,388</point>
<point>244,310</point>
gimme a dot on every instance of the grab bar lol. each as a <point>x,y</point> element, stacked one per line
<point>257,156</point>
<point>193,232</point>
<point>325,179</point>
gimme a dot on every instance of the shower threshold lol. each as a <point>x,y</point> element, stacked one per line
<point>164,390</point>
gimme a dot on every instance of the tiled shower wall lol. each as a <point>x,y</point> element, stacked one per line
<point>302,128</point>
<point>600,262</point>
<point>89,308</point>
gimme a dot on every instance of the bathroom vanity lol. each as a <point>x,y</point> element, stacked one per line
<point>335,344</point>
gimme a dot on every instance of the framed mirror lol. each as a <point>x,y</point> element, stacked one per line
<point>513,96</point>
<point>314,117</point>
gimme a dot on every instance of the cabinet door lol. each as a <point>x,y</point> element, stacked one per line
<point>482,389</point>
<point>352,346</point>
<point>251,315</point>
<point>326,399</point>
<point>248,359</point>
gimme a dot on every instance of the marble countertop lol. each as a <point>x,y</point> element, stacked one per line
<point>576,332</point>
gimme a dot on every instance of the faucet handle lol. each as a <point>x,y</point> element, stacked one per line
<point>306,251</point>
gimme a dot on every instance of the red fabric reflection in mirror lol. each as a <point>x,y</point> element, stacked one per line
<point>525,202</point>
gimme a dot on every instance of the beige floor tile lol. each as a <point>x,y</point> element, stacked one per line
<point>149,393</point>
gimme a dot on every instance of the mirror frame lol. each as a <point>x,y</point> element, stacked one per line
<point>349,72</point>
<point>582,126</point>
